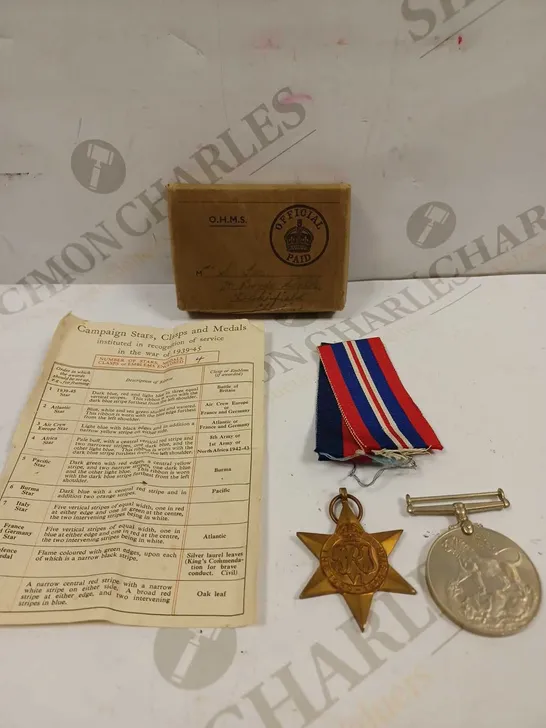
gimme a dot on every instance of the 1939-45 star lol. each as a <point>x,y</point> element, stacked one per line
<point>353,563</point>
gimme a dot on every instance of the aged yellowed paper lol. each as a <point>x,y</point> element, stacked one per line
<point>132,492</point>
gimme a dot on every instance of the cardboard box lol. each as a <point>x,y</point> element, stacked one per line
<point>244,248</point>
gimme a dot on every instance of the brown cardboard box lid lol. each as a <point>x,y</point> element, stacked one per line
<point>244,248</point>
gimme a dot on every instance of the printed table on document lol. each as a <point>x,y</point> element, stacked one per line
<point>175,446</point>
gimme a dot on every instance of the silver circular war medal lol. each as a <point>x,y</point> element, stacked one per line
<point>479,578</point>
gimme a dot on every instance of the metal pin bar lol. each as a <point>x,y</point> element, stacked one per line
<point>458,497</point>
<point>414,506</point>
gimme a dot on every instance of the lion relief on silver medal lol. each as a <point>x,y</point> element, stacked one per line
<point>484,581</point>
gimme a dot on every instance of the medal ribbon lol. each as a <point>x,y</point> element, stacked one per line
<point>363,407</point>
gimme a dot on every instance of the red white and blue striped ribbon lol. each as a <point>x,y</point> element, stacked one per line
<point>363,407</point>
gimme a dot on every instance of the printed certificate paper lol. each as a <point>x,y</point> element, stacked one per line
<point>132,493</point>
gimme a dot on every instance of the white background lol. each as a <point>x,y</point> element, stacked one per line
<point>463,125</point>
<point>474,361</point>
<point>406,120</point>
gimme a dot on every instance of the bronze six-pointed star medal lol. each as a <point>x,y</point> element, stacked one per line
<point>353,563</point>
